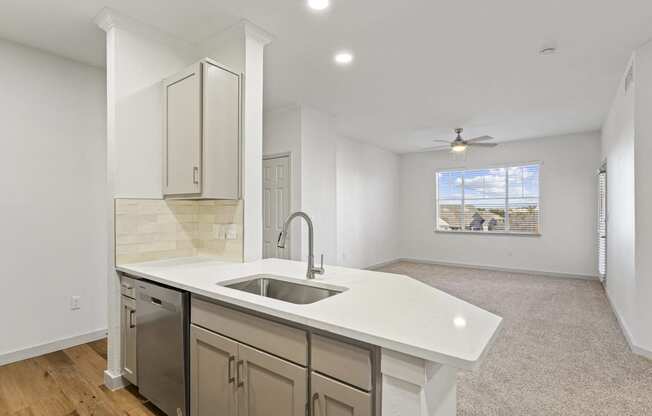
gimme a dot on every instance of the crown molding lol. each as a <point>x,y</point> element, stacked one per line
<point>108,19</point>
<point>256,32</point>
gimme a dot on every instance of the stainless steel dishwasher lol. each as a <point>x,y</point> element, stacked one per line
<point>163,319</point>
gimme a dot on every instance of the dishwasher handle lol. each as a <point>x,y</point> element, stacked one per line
<point>158,302</point>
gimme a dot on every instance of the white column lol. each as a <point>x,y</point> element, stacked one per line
<point>134,124</point>
<point>113,373</point>
<point>255,40</point>
<point>415,387</point>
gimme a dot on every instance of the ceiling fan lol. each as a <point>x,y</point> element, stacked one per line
<point>459,145</point>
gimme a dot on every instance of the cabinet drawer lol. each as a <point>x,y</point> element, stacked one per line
<point>128,287</point>
<point>345,362</point>
<point>269,336</point>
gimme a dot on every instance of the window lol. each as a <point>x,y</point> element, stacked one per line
<point>499,200</point>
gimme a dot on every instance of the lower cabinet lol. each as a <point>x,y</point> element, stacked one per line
<point>270,385</point>
<point>229,378</point>
<point>128,339</point>
<point>332,398</point>
<point>243,364</point>
<point>212,374</point>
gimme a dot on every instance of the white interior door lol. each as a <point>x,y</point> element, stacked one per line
<point>276,204</point>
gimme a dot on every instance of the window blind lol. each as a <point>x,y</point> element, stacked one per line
<point>500,200</point>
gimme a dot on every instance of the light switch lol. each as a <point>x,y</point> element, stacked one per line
<point>74,303</point>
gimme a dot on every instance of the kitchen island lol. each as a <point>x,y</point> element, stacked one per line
<point>423,334</point>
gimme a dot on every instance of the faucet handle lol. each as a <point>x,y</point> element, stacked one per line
<point>320,269</point>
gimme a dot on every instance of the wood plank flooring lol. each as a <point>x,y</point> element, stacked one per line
<point>67,383</point>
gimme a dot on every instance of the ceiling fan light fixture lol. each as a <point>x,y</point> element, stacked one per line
<point>458,147</point>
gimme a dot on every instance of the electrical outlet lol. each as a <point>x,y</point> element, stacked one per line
<point>74,303</point>
<point>231,232</point>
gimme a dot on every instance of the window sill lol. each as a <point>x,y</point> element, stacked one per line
<point>503,233</point>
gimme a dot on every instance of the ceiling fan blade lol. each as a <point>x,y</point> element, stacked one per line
<point>435,148</point>
<point>483,144</point>
<point>442,141</point>
<point>480,139</point>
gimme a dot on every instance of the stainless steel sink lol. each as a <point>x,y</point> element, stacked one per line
<point>280,288</point>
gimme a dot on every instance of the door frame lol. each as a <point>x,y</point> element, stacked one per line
<point>290,183</point>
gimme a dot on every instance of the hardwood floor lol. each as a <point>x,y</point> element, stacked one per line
<point>67,383</point>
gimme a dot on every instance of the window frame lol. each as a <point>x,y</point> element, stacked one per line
<point>505,166</point>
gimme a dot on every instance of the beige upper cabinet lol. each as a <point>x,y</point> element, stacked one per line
<point>202,133</point>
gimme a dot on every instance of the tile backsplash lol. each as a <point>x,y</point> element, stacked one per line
<point>155,229</point>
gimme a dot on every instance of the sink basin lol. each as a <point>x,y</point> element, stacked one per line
<point>282,288</point>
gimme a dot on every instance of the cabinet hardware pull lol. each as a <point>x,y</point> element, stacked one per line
<point>315,397</point>
<point>195,174</point>
<point>239,365</point>
<point>132,324</point>
<point>230,376</point>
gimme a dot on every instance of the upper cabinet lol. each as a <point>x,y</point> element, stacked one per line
<point>202,133</point>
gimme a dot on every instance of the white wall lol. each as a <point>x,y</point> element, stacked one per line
<point>349,188</point>
<point>53,178</point>
<point>367,204</point>
<point>281,135</point>
<point>568,208</point>
<point>318,181</point>
<point>643,239</point>
<point>139,64</point>
<point>627,145</point>
<point>618,134</point>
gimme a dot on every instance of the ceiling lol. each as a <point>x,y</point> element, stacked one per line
<point>421,67</point>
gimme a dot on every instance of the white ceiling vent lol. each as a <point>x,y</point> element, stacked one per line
<point>629,78</point>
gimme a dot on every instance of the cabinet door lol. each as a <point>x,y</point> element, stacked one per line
<point>221,132</point>
<point>332,398</point>
<point>128,347</point>
<point>212,373</point>
<point>269,386</point>
<point>182,133</point>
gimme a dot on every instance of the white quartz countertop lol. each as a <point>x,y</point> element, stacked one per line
<point>392,311</point>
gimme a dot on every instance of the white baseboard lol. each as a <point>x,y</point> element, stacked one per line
<point>383,264</point>
<point>37,350</point>
<point>114,381</point>
<point>627,333</point>
<point>491,268</point>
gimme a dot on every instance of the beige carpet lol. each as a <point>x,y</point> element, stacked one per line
<point>560,350</point>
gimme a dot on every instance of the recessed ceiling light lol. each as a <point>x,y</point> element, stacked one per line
<point>318,4</point>
<point>343,58</point>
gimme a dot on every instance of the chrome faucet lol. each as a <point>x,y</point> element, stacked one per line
<point>310,274</point>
